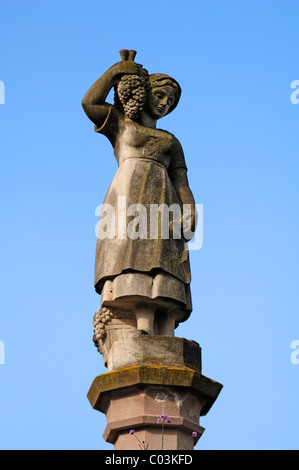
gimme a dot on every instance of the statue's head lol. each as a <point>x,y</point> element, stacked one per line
<point>164,93</point>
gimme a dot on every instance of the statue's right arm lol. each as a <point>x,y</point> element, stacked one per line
<point>94,103</point>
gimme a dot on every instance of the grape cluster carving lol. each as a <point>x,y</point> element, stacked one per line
<point>132,93</point>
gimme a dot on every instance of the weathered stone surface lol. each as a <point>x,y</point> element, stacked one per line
<point>111,325</point>
<point>141,348</point>
<point>135,397</point>
<point>152,173</point>
<point>153,375</point>
<point>139,410</point>
<point>143,274</point>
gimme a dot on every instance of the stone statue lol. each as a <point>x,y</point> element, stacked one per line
<point>141,272</point>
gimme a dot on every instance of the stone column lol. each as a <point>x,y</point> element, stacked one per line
<point>150,376</point>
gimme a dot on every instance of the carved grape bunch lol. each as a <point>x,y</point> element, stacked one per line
<point>132,95</point>
<point>132,88</point>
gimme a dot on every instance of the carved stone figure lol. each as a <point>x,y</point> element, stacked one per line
<point>137,268</point>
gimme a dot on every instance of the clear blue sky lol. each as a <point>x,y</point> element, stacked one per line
<point>235,61</point>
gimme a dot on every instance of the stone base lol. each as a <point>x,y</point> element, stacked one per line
<point>137,347</point>
<point>148,435</point>
<point>133,398</point>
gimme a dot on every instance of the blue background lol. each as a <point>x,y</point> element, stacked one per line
<point>235,61</point>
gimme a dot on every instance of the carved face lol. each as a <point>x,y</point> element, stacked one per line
<point>160,100</point>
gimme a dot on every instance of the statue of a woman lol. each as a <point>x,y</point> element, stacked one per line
<point>143,270</point>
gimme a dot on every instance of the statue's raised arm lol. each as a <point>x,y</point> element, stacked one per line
<point>93,102</point>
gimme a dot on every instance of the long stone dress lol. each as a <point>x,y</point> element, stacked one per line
<point>153,269</point>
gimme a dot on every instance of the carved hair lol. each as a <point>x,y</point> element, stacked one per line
<point>157,80</point>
